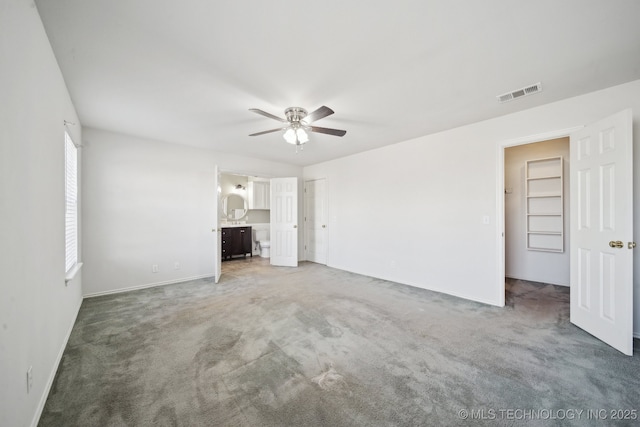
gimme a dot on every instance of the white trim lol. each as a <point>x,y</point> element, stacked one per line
<point>71,274</point>
<point>54,371</point>
<point>148,285</point>
<point>423,287</point>
<point>500,246</point>
<point>562,133</point>
<point>547,282</point>
<point>453,294</point>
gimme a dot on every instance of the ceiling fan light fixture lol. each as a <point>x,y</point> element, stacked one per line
<point>295,134</point>
<point>289,135</point>
<point>302,135</point>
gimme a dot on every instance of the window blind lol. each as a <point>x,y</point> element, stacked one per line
<point>71,203</point>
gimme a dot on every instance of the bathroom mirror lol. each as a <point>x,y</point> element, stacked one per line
<point>234,206</point>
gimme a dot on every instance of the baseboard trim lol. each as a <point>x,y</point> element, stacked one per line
<point>54,371</point>
<point>453,294</point>
<point>507,276</point>
<point>426,288</point>
<point>147,285</point>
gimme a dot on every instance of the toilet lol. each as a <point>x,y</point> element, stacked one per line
<point>261,237</point>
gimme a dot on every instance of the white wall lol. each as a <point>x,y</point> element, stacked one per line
<point>446,183</point>
<point>37,310</point>
<point>148,202</point>
<point>521,263</point>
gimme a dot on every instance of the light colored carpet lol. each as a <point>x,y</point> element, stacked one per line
<point>315,346</point>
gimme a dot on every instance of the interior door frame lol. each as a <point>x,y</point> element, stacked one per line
<point>243,173</point>
<point>500,217</point>
<point>216,230</point>
<point>304,215</point>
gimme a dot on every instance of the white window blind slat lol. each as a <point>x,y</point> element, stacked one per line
<point>71,203</point>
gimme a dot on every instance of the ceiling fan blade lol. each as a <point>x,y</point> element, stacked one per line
<point>271,116</point>
<point>335,132</point>
<point>318,114</point>
<point>266,131</point>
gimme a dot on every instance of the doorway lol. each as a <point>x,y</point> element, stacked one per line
<point>316,215</point>
<point>601,270</point>
<point>501,196</point>
<point>249,208</point>
<point>537,220</point>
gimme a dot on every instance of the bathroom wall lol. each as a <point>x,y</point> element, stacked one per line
<point>228,183</point>
<point>258,216</point>
<point>521,263</point>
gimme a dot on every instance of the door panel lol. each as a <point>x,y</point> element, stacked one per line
<point>284,222</point>
<point>316,214</point>
<point>602,212</point>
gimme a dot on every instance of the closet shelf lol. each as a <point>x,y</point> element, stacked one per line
<point>532,248</point>
<point>533,196</point>
<point>544,201</point>
<point>546,233</point>
<point>544,177</point>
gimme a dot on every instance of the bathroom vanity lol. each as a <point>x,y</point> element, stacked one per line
<point>236,241</point>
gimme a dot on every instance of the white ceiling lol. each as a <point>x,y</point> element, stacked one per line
<point>187,71</point>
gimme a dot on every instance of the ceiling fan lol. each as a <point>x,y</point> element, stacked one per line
<point>298,124</point>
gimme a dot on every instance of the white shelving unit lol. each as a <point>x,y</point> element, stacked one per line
<point>544,194</point>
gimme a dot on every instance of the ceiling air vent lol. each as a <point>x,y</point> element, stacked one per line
<point>519,93</point>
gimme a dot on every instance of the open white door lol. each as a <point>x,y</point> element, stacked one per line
<point>602,230</point>
<point>315,221</point>
<point>217,253</point>
<point>284,222</point>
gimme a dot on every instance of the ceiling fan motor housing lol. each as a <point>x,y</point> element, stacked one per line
<point>295,114</point>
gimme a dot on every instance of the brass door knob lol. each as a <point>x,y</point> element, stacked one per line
<point>632,245</point>
<point>616,244</point>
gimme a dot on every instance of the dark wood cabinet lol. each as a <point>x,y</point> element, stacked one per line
<point>236,241</point>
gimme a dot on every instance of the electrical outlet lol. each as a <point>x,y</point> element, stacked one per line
<point>29,379</point>
<point>154,268</point>
<point>176,266</point>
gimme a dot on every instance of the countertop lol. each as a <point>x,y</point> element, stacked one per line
<point>229,225</point>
